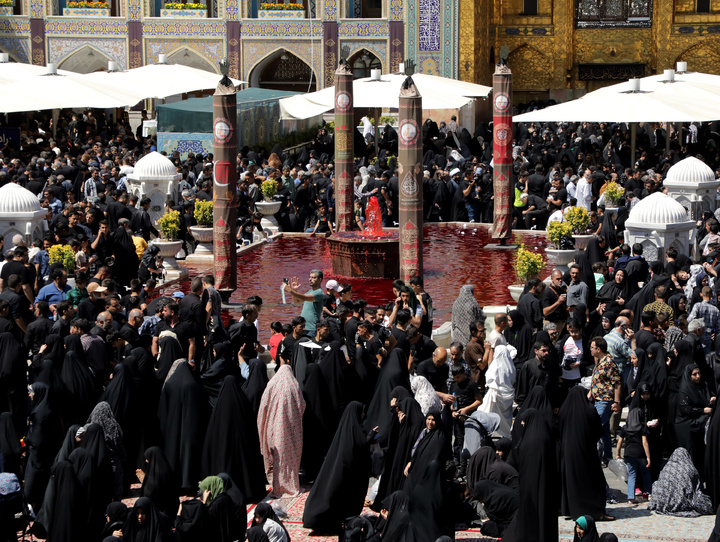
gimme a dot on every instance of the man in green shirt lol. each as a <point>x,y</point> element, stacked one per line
<point>79,292</point>
<point>312,300</point>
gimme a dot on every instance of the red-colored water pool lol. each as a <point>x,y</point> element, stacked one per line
<point>454,256</point>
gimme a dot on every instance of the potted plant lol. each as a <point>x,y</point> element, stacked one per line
<point>87,9</point>
<point>203,232</point>
<point>62,254</point>
<point>6,7</point>
<point>269,207</point>
<point>527,265</point>
<point>613,192</point>
<point>560,235</point>
<point>281,11</point>
<point>579,219</point>
<point>169,244</point>
<point>180,9</point>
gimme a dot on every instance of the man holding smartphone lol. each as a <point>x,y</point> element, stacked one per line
<point>554,300</point>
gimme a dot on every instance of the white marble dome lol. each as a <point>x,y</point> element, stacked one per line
<point>16,199</point>
<point>690,170</point>
<point>658,208</point>
<point>153,166</point>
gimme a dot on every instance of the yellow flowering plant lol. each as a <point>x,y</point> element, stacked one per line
<point>180,5</point>
<point>89,5</point>
<point>527,264</point>
<point>269,188</point>
<point>6,3</point>
<point>557,231</point>
<point>64,255</point>
<point>613,193</point>
<point>170,225</point>
<point>281,7</point>
<point>204,212</point>
<point>579,218</point>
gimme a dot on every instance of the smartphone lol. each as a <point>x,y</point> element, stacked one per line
<point>286,280</point>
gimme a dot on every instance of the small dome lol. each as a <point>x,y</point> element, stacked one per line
<point>658,208</point>
<point>16,199</point>
<point>691,170</point>
<point>154,166</point>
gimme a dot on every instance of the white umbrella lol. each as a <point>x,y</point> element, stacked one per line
<point>41,92</point>
<point>12,72</point>
<point>655,101</point>
<point>436,92</point>
<point>162,80</point>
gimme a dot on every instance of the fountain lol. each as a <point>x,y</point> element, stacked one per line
<point>370,253</point>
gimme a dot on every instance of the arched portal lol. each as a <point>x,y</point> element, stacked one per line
<point>363,62</point>
<point>85,60</point>
<point>188,57</point>
<point>282,70</point>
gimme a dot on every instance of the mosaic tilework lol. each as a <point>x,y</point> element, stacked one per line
<point>445,63</point>
<point>330,8</point>
<point>17,47</point>
<point>377,47</point>
<point>61,48</point>
<point>232,11</point>
<point>280,14</point>
<point>265,29</point>
<point>134,8</point>
<point>429,26</point>
<point>211,50</point>
<point>14,26</point>
<point>85,12</point>
<point>355,9</point>
<point>429,64</point>
<point>184,143</point>
<point>363,29</point>
<point>6,10</point>
<point>197,28</point>
<point>396,10</point>
<point>253,51</point>
<point>36,8</point>
<point>528,30</point>
<point>100,27</point>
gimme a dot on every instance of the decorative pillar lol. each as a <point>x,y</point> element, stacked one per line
<point>344,146</point>
<point>502,152</point>
<point>225,184</point>
<point>410,170</point>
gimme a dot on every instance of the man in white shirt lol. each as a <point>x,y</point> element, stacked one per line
<point>584,191</point>
<point>496,336</point>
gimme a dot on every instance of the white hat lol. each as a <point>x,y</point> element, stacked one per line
<point>454,172</point>
<point>332,285</point>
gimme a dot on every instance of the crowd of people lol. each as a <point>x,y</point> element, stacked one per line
<point>116,383</point>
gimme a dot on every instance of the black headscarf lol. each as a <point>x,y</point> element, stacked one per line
<point>428,447</point>
<point>697,394</point>
<point>398,518</point>
<point>608,231</point>
<point>645,373</point>
<point>183,420</point>
<point>519,335</point>
<point>63,515</point>
<point>78,380</point>
<point>232,444</point>
<point>224,365</point>
<point>582,479</point>
<point>400,444</point>
<point>499,501</point>
<point>159,483</point>
<point>611,290</point>
<point>587,523</point>
<point>155,529</point>
<point>256,534</point>
<point>116,514</point>
<point>265,511</point>
<point>170,352</point>
<point>657,358</point>
<point>393,373</point>
<point>319,421</point>
<point>536,518</point>
<point>340,487</point>
<point>9,444</point>
<point>334,369</point>
<point>674,302</point>
<point>429,515</point>
<point>256,383</point>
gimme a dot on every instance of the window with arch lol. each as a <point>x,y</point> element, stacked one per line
<point>363,62</point>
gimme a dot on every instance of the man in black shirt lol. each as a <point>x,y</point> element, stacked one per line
<point>129,331</point>
<point>536,213</point>
<point>285,348</point>
<point>399,332</point>
<point>467,398</point>
<point>436,370</point>
<point>183,331</point>
<point>243,335</point>
<point>19,305</point>
<point>538,371</point>
<point>65,314</point>
<point>530,306</point>
<point>16,266</point>
<point>371,342</point>
<point>192,311</point>
<point>37,331</point>
<point>422,346</point>
<point>553,300</point>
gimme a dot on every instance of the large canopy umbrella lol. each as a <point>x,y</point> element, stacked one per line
<point>436,92</point>
<point>42,92</point>
<point>12,72</point>
<point>161,80</point>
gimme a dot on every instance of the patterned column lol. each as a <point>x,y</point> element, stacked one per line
<point>37,41</point>
<point>330,50</point>
<point>410,170</point>
<point>344,146</point>
<point>397,45</point>
<point>135,42</point>
<point>502,152</point>
<point>233,47</point>
<point>225,187</point>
